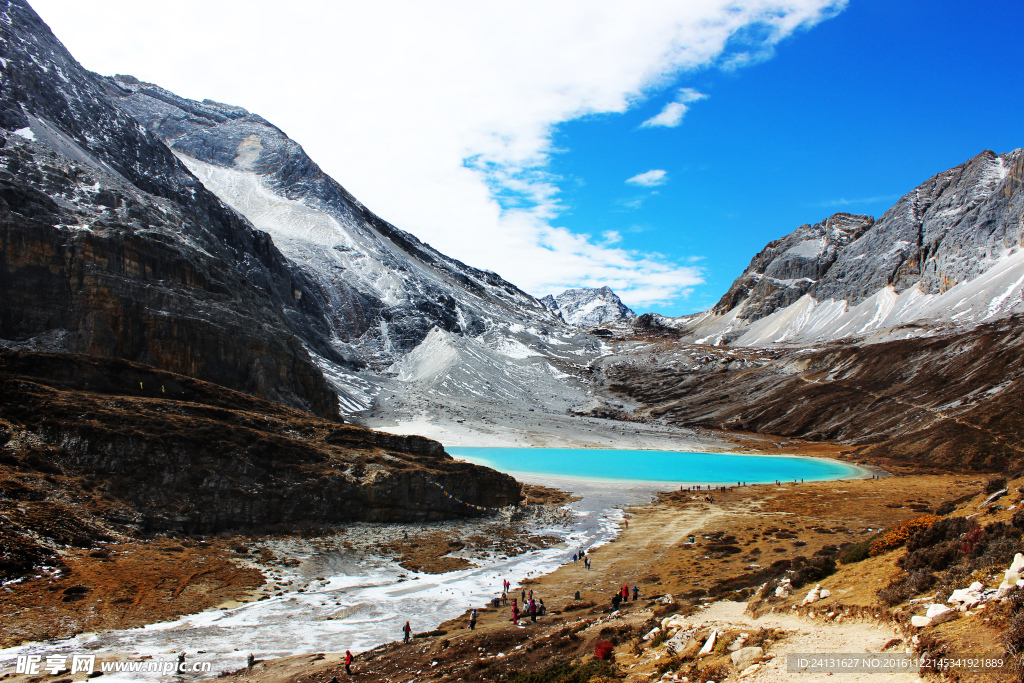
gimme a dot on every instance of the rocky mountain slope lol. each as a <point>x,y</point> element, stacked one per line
<point>389,300</point>
<point>943,402</point>
<point>91,446</point>
<point>948,253</point>
<point>109,246</point>
<point>587,306</point>
<point>898,336</point>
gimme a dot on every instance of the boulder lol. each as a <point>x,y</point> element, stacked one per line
<point>673,622</point>
<point>1013,574</point>
<point>813,595</point>
<point>747,656</point>
<point>920,622</point>
<point>966,598</point>
<point>653,632</point>
<point>677,643</point>
<point>690,650</point>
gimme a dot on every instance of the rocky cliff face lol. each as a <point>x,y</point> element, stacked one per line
<point>198,458</point>
<point>948,253</point>
<point>587,306</point>
<point>791,266</point>
<point>109,246</point>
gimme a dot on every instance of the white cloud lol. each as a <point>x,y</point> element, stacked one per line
<point>652,178</point>
<point>610,237</point>
<point>439,116</point>
<point>672,115</point>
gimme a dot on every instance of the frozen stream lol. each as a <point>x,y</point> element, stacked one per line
<point>350,600</point>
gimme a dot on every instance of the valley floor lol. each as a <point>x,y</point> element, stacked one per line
<point>761,524</point>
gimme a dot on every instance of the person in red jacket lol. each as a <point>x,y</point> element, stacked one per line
<point>348,662</point>
<point>515,611</point>
<point>407,631</point>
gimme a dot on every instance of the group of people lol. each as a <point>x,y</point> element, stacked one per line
<point>582,556</point>
<point>623,596</point>
<point>534,608</point>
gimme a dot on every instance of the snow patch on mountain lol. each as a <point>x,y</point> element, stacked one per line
<point>886,314</point>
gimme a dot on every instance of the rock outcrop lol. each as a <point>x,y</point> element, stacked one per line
<point>149,451</point>
<point>792,266</point>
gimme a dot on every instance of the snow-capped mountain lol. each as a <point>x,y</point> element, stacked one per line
<point>199,238</point>
<point>395,306</point>
<point>949,253</point>
<point>587,306</point>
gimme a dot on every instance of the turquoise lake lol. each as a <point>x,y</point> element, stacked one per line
<point>661,466</point>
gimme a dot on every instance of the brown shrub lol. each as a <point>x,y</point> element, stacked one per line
<point>898,534</point>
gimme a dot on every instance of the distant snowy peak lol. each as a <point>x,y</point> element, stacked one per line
<point>586,307</point>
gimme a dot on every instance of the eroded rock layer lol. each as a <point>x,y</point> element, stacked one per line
<point>123,445</point>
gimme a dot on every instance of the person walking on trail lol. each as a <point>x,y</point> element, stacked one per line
<point>522,595</point>
<point>515,611</point>
<point>472,620</point>
<point>574,558</point>
<point>533,611</point>
<point>348,662</point>
<point>587,562</point>
<point>636,593</point>
<point>504,598</point>
<point>407,631</point>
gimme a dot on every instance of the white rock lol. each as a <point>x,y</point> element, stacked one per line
<point>677,642</point>
<point>743,658</point>
<point>653,632</point>
<point>824,593</point>
<point>920,621</point>
<point>813,595</point>
<point>749,670</point>
<point>934,610</point>
<point>1012,575</point>
<point>675,621</point>
<point>709,646</point>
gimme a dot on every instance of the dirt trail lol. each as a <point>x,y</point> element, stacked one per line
<point>649,537</point>
<point>806,636</point>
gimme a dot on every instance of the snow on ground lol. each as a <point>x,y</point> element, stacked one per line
<point>350,599</point>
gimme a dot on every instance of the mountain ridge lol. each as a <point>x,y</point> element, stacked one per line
<point>853,276</point>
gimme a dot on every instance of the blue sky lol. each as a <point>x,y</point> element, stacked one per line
<point>504,134</point>
<point>846,116</point>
